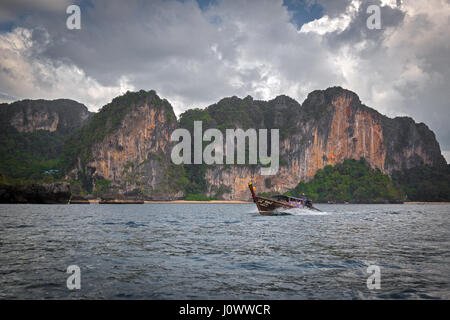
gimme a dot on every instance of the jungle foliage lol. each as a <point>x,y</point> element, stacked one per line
<point>350,181</point>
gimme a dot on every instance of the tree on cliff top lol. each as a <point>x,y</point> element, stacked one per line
<point>425,183</point>
<point>353,181</point>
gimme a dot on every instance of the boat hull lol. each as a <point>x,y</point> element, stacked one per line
<point>268,206</point>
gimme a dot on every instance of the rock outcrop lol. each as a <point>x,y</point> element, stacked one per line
<point>49,115</point>
<point>330,126</point>
<point>124,149</point>
<point>133,155</point>
<point>32,135</point>
<point>53,193</point>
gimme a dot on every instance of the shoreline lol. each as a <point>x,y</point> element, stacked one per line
<point>423,202</point>
<point>200,201</point>
<point>247,202</point>
<point>185,201</point>
<point>97,201</point>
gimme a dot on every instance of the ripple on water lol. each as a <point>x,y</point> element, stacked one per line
<point>207,251</point>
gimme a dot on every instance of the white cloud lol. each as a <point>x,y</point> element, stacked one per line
<point>446,155</point>
<point>23,75</point>
<point>194,58</point>
<point>406,71</point>
<point>326,24</point>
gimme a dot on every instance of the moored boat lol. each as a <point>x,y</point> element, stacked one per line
<point>275,204</point>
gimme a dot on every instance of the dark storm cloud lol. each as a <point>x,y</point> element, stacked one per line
<point>357,29</point>
<point>193,54</point>
<point>129,37</point>
<point>173,47</point>
<point>406,60</point>
<point>14,9</point>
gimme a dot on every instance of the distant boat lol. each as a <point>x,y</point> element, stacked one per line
<point>268,206</point>
<point>102,201</point>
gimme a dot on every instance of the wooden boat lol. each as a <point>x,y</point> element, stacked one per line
<point>78,200</point>
<point>120,201</point>
<point>269,206</point>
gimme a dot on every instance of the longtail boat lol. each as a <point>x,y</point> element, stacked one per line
<point>269,206</point>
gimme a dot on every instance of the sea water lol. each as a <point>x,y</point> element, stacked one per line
<point>224,251</point>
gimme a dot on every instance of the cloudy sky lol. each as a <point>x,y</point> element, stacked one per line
<point>196,52</point>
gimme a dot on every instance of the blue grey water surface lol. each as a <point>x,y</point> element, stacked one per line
<point>224,251</point>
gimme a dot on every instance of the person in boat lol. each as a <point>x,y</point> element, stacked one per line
<point>295,203</point>
<point>303,200</point>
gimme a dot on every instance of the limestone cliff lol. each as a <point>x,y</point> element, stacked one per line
<point>330,126</point>
<point>49,115</point>
<point>32,134</point>
<point>127,146</point>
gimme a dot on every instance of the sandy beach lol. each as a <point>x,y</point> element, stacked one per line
<point>185,201</point>
<point>209,202</point>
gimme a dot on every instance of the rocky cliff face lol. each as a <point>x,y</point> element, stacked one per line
<point>49,115</point>
<point>330,126</point>
<point>133,156</point>
<point>126,146</point>
<point>32,134</point>
<point>53,193</point>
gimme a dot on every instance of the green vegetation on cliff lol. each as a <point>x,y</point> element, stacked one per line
<point>232,113</point>
<point>104,123</point>
<point>425,183</point>
<point>27,150</point>
<point>198,197</point>
<point>26,156</point>
<point>353,181</point>
<point>229,113</point>
<point>33,156</point>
